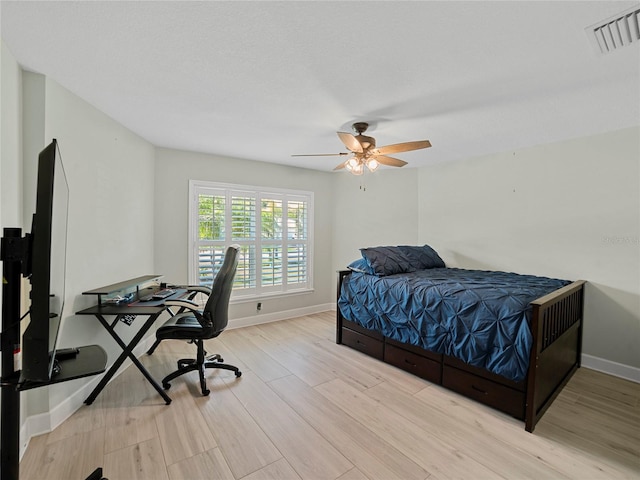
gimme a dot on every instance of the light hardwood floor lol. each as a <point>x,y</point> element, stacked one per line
<point>306,408</point>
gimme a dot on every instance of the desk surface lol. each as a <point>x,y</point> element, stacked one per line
<point>135,307</point>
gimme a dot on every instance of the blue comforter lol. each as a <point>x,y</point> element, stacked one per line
<point>479,317</point>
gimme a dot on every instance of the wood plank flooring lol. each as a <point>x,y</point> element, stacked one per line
<point>306,408</point>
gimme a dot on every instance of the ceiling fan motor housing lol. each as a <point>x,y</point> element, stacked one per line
<point>360,127</point>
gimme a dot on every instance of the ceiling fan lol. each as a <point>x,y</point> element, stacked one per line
<point>365,152</point>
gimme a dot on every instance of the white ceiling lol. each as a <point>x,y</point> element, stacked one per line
<point>264,80</point>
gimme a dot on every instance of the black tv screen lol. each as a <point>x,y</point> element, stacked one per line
<point>47,266</point>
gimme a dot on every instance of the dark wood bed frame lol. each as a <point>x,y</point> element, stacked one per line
<point>556,325</point>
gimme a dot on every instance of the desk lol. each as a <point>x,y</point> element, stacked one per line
<point>150,309</point>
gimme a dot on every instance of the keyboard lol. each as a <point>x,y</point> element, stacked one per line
<point>164,293</point>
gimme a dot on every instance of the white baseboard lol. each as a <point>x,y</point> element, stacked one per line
<point>32,427</point>
<point>41,423</point>
<point>612,368</point>
<point>46,422</point>
<point>276,316</point>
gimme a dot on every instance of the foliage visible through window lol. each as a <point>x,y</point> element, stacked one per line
<point>271,227</point>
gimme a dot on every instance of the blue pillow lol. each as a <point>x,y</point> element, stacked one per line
<point>360,265</point>
<point>422,258</point>
<point>387,260</point>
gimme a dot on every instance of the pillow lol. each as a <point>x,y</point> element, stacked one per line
<point>360,265</point>
<point>387,260</point>
<point>422,258</point>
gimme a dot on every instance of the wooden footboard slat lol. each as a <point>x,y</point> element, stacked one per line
<point>556,325</point>
<point>558,314</point>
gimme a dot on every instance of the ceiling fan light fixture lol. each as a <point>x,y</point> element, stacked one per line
<point>366,154</point>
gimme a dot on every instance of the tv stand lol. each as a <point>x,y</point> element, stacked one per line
<point>90,360</point>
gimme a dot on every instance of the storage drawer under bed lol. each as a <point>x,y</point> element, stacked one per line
<point>486,391</point>
<point>418,365</point>
<point>363,343</point>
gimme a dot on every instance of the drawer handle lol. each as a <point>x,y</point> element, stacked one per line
<point>477,389</point>
<point>409,363</point>
<point>361,343</point>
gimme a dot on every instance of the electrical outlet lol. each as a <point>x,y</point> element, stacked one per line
<point>259,306</point>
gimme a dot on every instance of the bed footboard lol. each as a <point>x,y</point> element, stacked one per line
<point>556,325</point>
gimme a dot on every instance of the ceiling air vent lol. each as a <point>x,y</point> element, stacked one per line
<point>616,32</point>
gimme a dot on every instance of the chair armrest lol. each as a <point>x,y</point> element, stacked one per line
<point>188,304</point>
<point>193,290</point>
<point>198,288</point>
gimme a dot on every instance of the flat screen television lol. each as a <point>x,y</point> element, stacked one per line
<point>46,267</point>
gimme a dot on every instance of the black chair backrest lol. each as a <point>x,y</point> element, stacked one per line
<point>216,310</point>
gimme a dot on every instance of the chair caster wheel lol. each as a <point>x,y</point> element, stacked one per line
<point>166,386</point>
<point>220,359</point>
<point>206,393</point>
<point>238,374</point>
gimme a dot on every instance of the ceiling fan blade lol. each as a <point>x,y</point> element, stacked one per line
<point>350,142</point>
<point>402,147</point>
<point>320,154</point>
<point>390,161</point>
<point>341,166</point>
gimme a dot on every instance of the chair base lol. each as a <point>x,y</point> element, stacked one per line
<point>191,364</point>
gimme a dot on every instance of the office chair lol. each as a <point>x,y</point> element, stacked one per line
<point>200,325</point>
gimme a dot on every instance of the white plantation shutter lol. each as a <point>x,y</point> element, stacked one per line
<point>243,217</point>
<point>297,240</point>
<point>272,227</point>
<point>296,264</point>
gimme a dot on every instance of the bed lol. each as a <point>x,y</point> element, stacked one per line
<point>508,340</point>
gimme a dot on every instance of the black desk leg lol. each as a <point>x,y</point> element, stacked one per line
<point>127,351</point>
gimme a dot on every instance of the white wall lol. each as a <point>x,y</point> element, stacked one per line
<point>10,141</point>
<point>110,224</point>
<point>372,210</point>
<point>567,210</point>
<point>175,168</point>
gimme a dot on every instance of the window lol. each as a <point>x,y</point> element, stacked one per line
<point>272,226</point>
